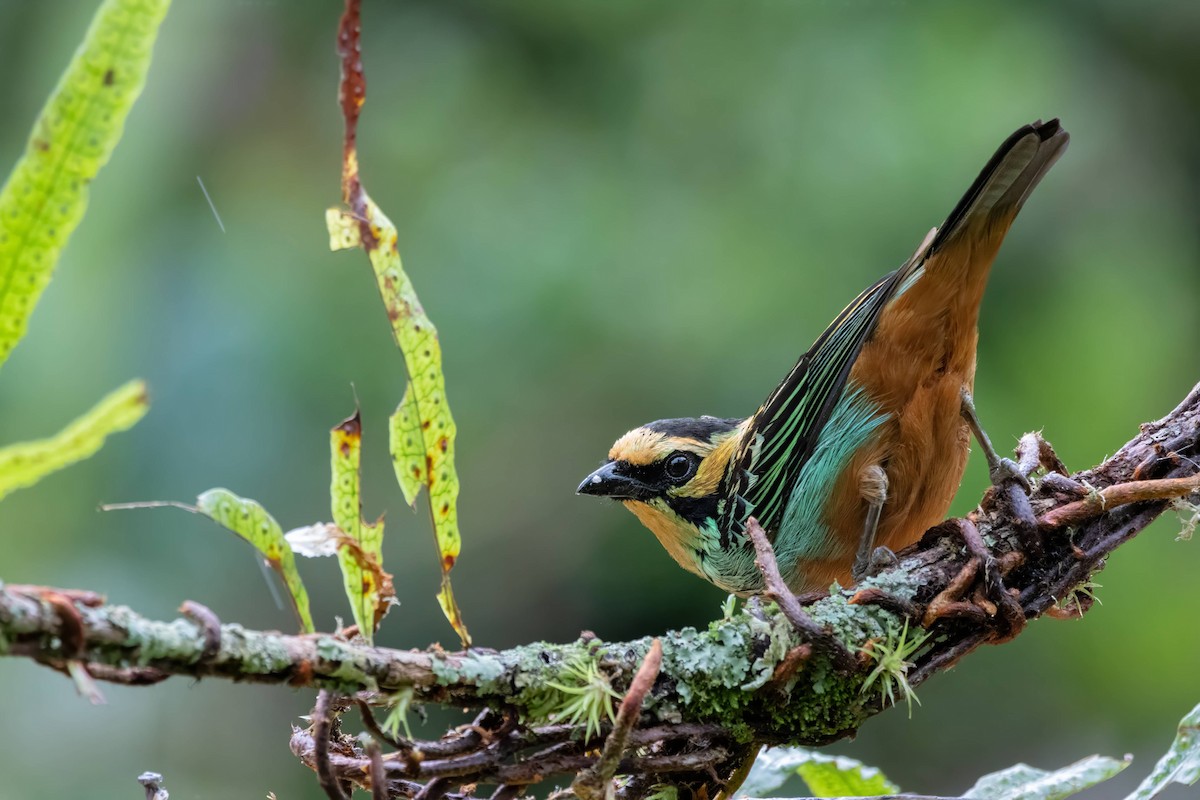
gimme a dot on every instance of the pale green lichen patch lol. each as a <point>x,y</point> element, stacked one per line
<point>347,664</point>
<point>853,624</point>
<point>479,669</point>
<point>720,674</point>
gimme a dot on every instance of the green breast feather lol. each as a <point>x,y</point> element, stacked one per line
<point>802,534</point>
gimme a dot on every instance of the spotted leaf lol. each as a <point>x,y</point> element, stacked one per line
<point>251,521</point>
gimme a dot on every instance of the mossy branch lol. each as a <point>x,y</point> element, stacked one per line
<point>749,678</point>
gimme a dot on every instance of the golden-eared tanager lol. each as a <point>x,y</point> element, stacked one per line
<point>865,441</point>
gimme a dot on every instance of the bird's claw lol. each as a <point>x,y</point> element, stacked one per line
<point>881,558</point>
<point>1005,470</point>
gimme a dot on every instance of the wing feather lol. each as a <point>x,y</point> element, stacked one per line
<point>782,434</point>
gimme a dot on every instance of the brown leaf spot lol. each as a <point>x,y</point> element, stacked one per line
<point>108,77</point>
<point>445,509</point>
<point>443,443</point>
<point>351,426</point>
<point>447,562</point>
<point>425,424</point>
<point>41,144</point>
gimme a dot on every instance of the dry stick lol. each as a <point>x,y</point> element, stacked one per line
<point>1011,612</point>
<point>152,783</point>
<point>874,596</point>
<point>793,660</point>
<point>776,589</point>
<point>127,676</point>
<point>322,726</point>
<point>595,783</point>
<point>1120,494</point>
<point>531,770</point>
<point>949,602</point>
<point>435,789</point>
<point>379,785</point>
<point>1029,453</point>
<point>73,639</point>
<point>373,728</point>
<point>507,791</point>
<point>208,623</point>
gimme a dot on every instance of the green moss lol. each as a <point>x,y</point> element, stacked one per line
<point>720,674</point>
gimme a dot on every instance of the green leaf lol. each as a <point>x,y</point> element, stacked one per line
<point>424,409</point>
<point>360,551</point>
<point>1023,782</point>
<point>826,776</point>
<point>1180,765</point>
<point>251,521</point>
<point>46,194</point>
<point>422,429</point>
<point>24,464</point>
<point>407,446</point>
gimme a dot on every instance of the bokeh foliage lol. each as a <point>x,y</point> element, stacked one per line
<point>615,212</point>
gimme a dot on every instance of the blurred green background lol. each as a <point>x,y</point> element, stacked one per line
<point>614,212</point>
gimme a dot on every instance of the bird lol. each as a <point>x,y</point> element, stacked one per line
<point>862,446</point>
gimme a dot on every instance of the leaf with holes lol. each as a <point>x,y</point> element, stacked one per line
<point>424,409</point>
<point>360,550</point>
<point>422,429</point>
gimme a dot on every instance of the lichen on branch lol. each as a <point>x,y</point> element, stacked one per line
<point>748,678</point>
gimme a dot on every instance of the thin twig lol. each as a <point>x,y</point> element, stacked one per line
<point>152,783</point>
<point>776,589</point>
<point>379,787</point>
<point>209,625</point>
<point>373,728</point>
<point>1118,495</point>
<point>595,783</point>
<point>1012,614</point>
<point>322,727</point>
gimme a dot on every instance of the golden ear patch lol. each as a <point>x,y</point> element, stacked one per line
<point>641,447</point>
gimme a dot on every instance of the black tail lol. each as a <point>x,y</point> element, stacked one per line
<point>1009,177</point>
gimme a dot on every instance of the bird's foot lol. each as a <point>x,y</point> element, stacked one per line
<point>776,589</point>
<point>1003,471</point>
<point>880,558</point>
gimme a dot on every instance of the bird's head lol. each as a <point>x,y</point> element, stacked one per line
<point>668,473</point>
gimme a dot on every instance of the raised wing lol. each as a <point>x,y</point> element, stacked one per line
<point>783,432</point>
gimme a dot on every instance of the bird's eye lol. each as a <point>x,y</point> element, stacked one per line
<point>679,467</point>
